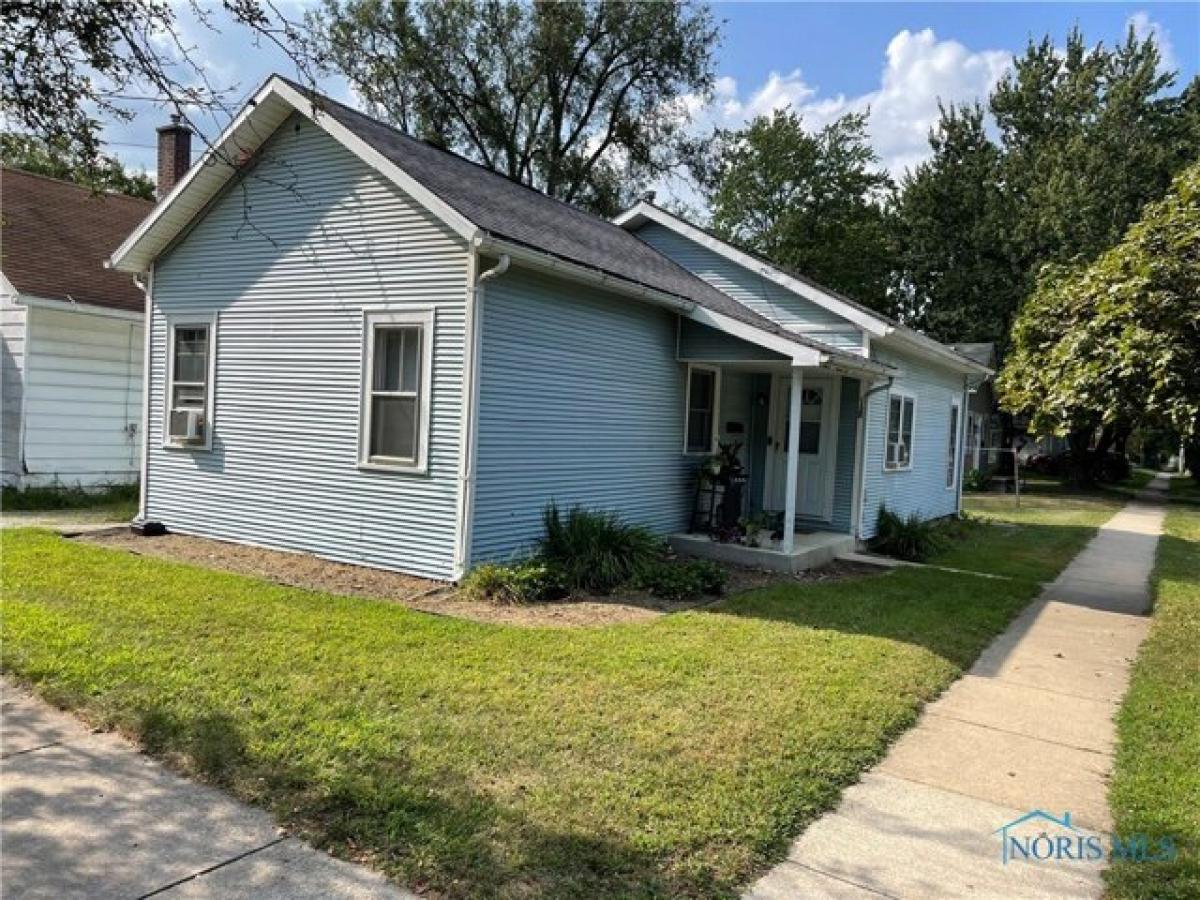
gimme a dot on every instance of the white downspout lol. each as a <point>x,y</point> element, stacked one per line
<point>467,452</point>
<point>144,471</point>
<point>793,461</point>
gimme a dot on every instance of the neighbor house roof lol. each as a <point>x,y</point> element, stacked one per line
<point>480,204</point>
<point>56,237</point>
<point>983,353</point>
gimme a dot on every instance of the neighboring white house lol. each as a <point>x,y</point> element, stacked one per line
<point>72,335</point>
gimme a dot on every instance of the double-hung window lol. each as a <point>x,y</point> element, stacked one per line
<point>397,372</point>
<point>952,448</point>
<point>902,410</point>
<point>189,395</point>
<point>700,422</point>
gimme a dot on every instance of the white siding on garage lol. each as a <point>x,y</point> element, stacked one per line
<point>289,259</point>
<point>83,395</point>
<point>12,382</point>
<point>922,489</point>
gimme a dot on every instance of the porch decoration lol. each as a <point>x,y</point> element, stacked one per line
<point>720,482</point>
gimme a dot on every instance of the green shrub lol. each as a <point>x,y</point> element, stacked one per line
<point>679,582</point>
<point>596,551</point>
<point>978,479</point>
<point>529,581</point>
<point>910,538</point>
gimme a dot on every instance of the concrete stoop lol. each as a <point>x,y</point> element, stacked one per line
<point>811,550</point>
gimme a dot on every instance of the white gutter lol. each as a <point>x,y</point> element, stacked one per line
<point>550,263</point>
<point>144,474</point>
<point>74,306</point>
<point>929,346</point>
<point>469,432</point>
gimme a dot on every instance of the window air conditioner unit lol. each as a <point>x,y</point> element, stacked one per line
<point>193,426</point>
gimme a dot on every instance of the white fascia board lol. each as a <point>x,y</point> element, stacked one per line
<point>800,354</point>
<point>240,139</point>
<point>645,212</point>
<point>83,309</point>
<point>931,349</point>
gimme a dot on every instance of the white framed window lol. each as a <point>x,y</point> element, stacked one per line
<point>191,374</point>
<point>952,447</point>
<point>700,412</point>
<point>901,419</point>
<point>397,379</point>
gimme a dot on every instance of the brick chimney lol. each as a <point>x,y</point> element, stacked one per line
<point>174,154</point>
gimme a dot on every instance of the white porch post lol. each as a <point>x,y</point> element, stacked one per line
<point>793,461</point>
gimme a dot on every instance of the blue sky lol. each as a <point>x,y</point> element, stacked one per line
<point>823,59</point>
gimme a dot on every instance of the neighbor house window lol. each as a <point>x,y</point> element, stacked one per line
<point>396,388</point>
<point>901,411</point>
<point>701,419</point>
<point>190,367</point>
<point>952,449</point>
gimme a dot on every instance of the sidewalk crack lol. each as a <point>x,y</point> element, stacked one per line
<point>212,868</point>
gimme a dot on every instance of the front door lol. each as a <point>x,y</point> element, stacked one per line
<point>814,493</point>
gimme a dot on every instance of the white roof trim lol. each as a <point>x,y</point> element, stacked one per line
<point>869,323</point>
<point>80,307</point>
<point>647,212</point>
<point>274,101</point>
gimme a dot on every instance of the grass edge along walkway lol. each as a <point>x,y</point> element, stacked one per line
<point>1156,784</point>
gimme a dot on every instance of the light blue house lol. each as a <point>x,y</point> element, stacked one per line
<point>366,348</point>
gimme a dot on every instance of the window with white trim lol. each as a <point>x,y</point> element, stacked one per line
<point>902,410</point>
<point>952,448</point>
<point>190,368</point>
<point>701,416</point>
<point>397,369</point>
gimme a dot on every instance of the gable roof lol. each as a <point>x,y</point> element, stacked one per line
<point>487,209</point>
<point>57,235</point>
<point>873,323</point>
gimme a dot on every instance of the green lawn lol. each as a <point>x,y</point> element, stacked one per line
<point>1054,527</point>
<point>1156,788</point>
<point>677,757</point>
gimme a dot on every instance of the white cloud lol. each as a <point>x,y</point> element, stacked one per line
<point>1143,27</point>
<point>918,71</point>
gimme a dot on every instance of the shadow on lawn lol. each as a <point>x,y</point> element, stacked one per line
<point>427,832</point>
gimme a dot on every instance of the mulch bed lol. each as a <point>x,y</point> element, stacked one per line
<point>306,571</point>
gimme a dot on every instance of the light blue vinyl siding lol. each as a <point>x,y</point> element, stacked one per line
<point>843,465</point>
<point>581,402</point>
<point>290,258</point>
<point>699,342</point>
<point>751,288</point>
<point>922,489</point>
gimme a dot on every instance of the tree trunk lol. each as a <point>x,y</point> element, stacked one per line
<point>1081,470</point>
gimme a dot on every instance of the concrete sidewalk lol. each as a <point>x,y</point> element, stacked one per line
<point>1029,727</point>
<point>86,815</point>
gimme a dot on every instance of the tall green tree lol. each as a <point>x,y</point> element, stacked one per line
<point>582,100</point>
<point>814,202</point>
<point>956,277</point>
<point>103,173</point>
<point>67,65</point>
<point>1116,343</point>
<point>1084,137</point>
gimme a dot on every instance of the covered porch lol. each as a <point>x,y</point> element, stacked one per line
<point>795,423</point>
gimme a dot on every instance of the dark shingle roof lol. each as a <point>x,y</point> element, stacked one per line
<point>518,213</point>
<point>57,235</point>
